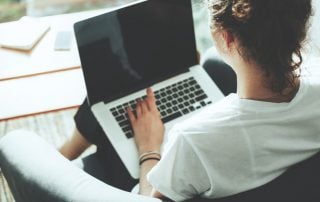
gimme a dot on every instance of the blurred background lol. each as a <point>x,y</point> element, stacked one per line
<point>11,10</point>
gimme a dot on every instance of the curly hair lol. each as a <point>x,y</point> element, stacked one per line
<point>270,32</point>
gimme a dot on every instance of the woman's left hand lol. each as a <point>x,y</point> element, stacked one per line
<point>147,124</point>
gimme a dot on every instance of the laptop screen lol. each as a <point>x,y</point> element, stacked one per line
<point>128,49</point>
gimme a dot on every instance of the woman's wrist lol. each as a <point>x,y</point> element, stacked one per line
<point>145,149</point>
<point>148,156</point>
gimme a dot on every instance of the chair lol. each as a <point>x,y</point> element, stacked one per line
<point>301,183</point>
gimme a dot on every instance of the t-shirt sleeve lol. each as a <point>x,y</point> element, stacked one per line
<point>180,174</point>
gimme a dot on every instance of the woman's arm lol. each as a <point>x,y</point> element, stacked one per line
<point>148,133</point>
<point>75,146</point>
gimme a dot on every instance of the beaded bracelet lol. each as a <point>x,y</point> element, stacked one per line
<point>147,159</point>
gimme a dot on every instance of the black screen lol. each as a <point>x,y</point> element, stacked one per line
<point>135,46</point>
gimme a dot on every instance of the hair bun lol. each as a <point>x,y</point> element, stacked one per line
<point>241,10</point>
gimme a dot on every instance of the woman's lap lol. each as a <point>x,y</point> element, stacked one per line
<point>37,172</point>
<point>105,164</point>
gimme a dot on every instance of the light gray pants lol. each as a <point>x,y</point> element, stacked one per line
<point>36,171</point>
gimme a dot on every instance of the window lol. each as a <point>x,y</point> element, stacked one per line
<point>14,9</point>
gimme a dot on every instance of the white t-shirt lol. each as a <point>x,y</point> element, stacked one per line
<point>238,144</point>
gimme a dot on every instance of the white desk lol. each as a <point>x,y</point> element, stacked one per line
<point>43,58</point>
<point>42,80</point>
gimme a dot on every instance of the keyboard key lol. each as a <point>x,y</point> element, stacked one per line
<point>120,118</point>
<point>121,111</point>
<point>169,97</point>
<point>158,102</point>
<point>185,85</point>
<point>175,95</point>
<point>180,93</point>
<point>162,94</point>
<point>185,111</point>
<point>129,134</point>
<point>115,113</point>
<point>192,89</point>
<point>201,97</point>
<point>157,96</point>
<point>174,102</point>
<point>163,114</point>
<point>162,107</point>
<point>169,111</point>
<point>133,106</point>
<point>171,117</point>
<point>169,92</point>
<point>180,106</point>
<point>169,105</point>
<point>209,103</point>
<point>113,109</point>
<point>192,82</point>
<point>175,108</point>
<point>191,108</point>
<point>203,103</point>
<point>186,97</point>
<point>180,100</point>
<point>199,92</point>
<point>124,123</point>
<point>186,91</point>
<point>126,129</point>
<point>163,100</point>
<point>180,87</point>
<point>197,86</point>
<point>186,104</point>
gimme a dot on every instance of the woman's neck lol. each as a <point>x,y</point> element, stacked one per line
<point>252,83</point>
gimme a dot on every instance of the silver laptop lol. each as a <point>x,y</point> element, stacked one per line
<point>124,51</point>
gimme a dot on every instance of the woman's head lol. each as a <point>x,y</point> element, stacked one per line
<point>269,33</point>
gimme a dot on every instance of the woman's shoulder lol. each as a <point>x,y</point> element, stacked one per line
<point>215,115</point>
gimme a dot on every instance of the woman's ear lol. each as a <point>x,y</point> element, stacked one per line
<point>228,40</point>
<point>222,41</point>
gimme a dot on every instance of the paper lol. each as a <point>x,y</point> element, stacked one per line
<point>22,34</point>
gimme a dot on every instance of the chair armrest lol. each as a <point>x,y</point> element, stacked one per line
<point>300,183</point>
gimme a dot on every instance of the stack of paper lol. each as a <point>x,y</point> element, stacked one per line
<point>22,34</point>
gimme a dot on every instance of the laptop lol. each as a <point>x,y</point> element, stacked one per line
<point>143,44</point>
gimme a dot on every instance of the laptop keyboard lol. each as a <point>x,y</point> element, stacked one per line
<point>173,101</point>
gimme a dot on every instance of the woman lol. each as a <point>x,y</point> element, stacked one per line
<point>249,138</point>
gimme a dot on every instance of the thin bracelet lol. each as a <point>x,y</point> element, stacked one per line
<point>150,156</point>
<point>147,159</point>
<point>149,153</point>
